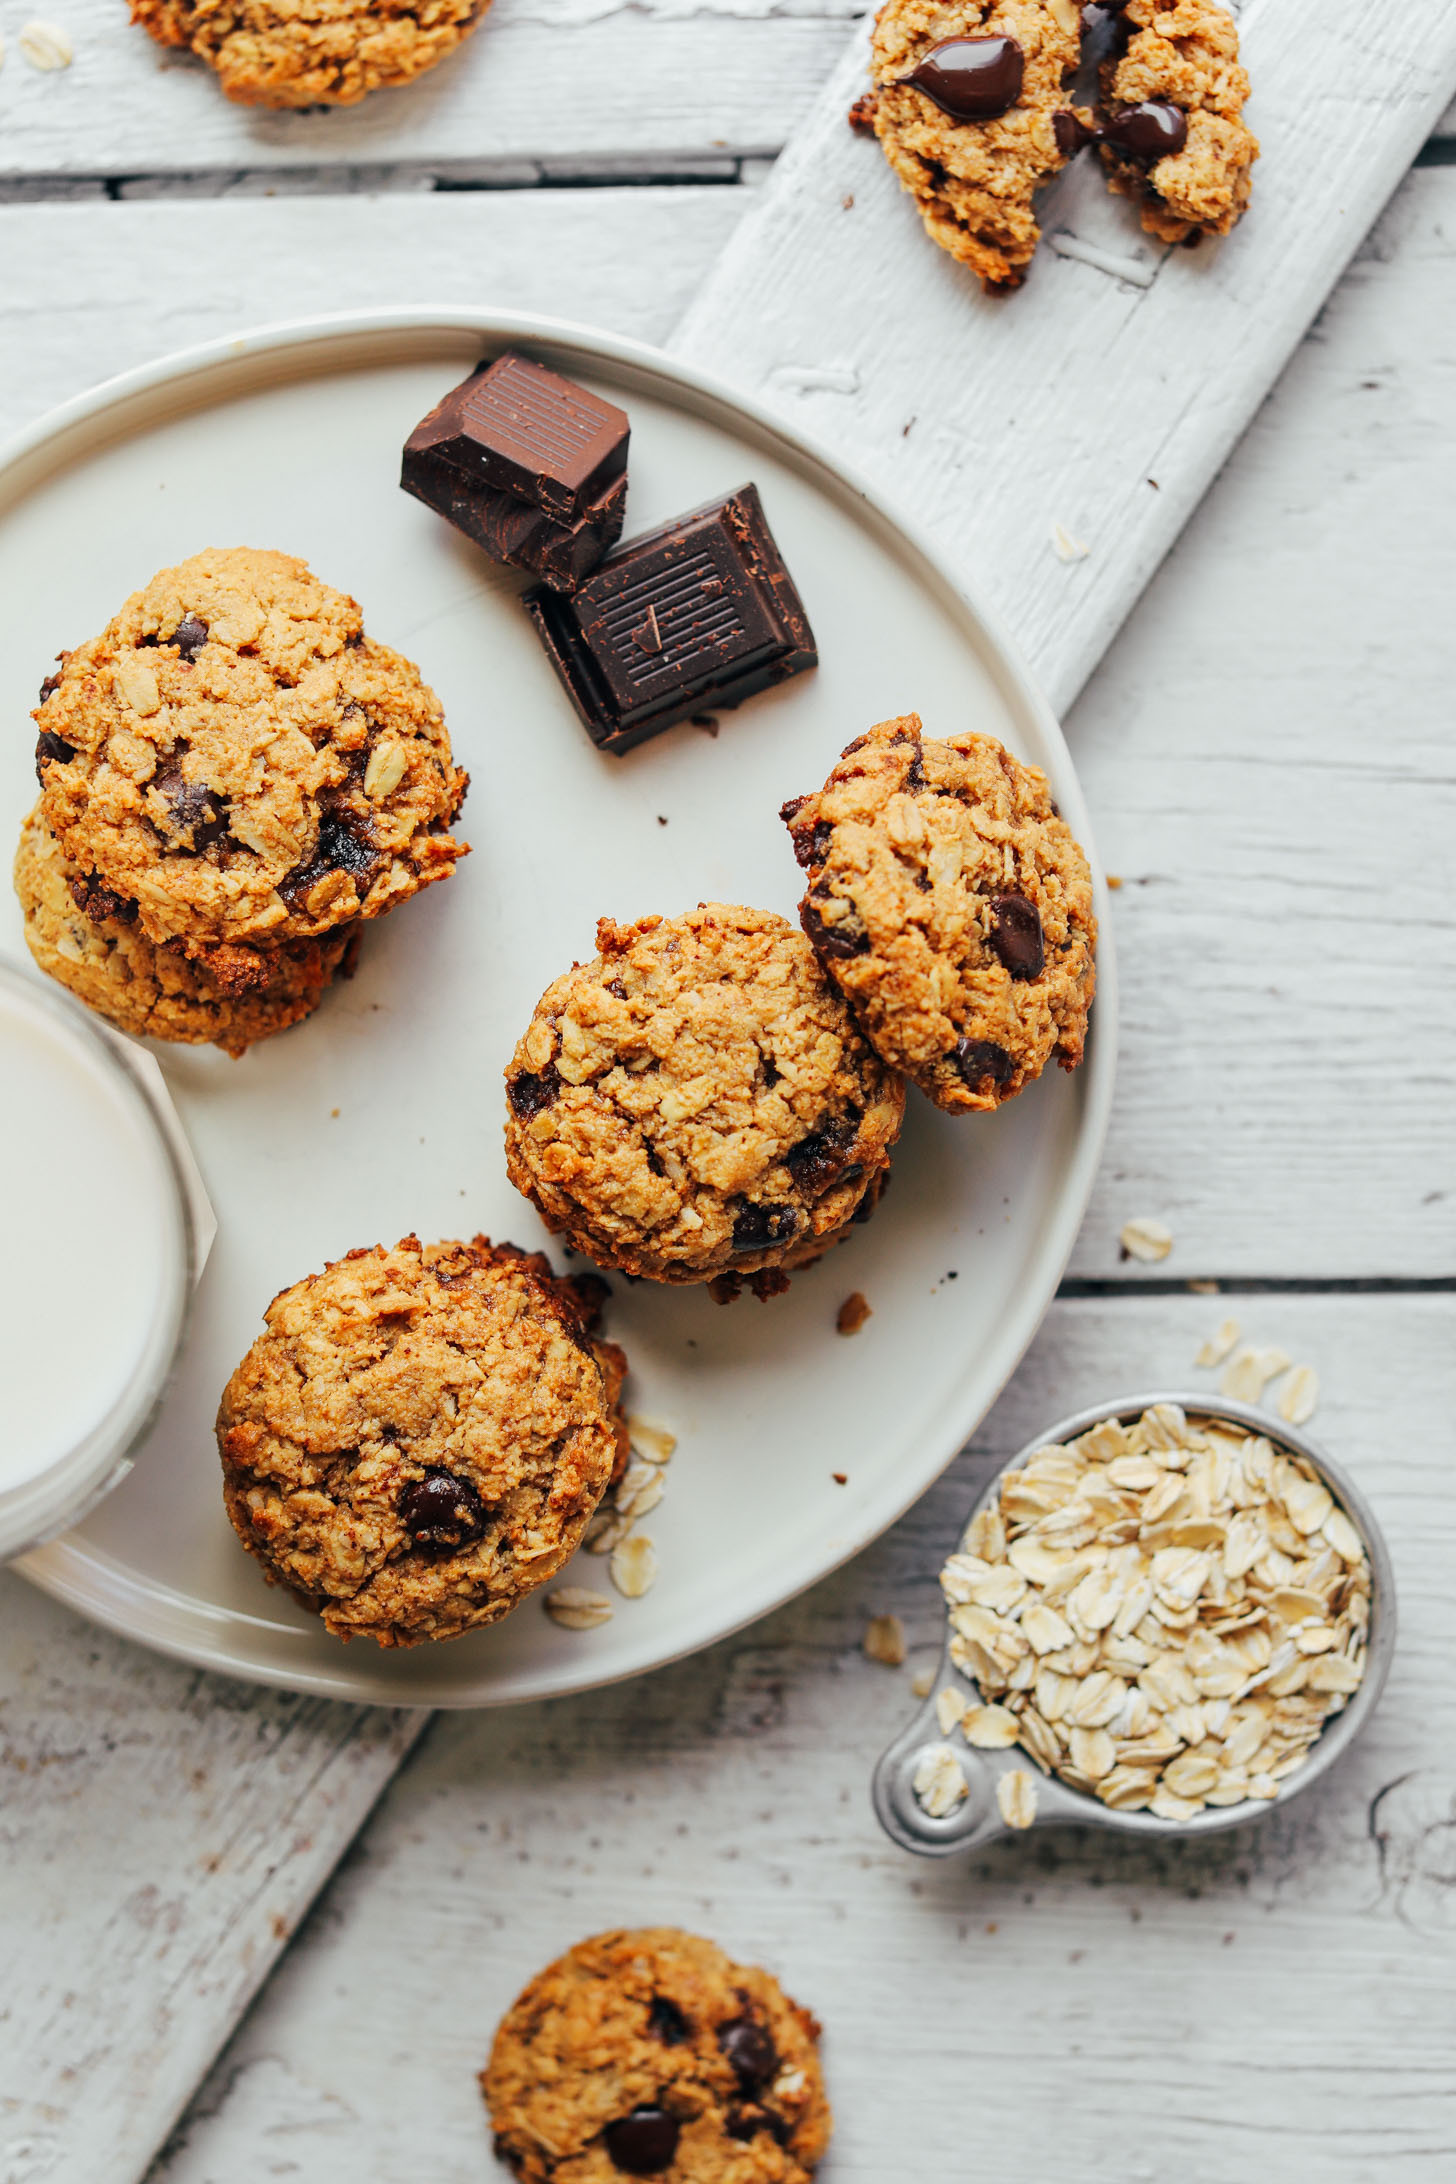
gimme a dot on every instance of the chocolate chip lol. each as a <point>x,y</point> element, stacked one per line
<point>342,847</point>
<point>977,1059</point>
<point>1155,130</point>
<point>757,1228</point>
<point>51,750</point>
<point>811,844</point>
<point>915,771</point>
<point>531,1091</point>
<point>791,808</point>
<point>820,1160</point>
<point>642,2144</point>
<point>749,2051</point>
<point>1016,935</point>
<point>862,114</point>
<point>189,636</point>
<point>192,809</point>
<point>96,902</point>
<point>1071,132</point>
<point>846,938</point>
<point>971,79</point>
<point>440,1510</point>
<point>746,2123</point>
<point>667,2021</point>
<point>49,687</point>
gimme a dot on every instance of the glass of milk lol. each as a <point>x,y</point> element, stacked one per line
<point>100,1245</point>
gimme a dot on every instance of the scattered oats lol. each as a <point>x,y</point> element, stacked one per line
<point>1218,1345</point>
<point>922,1683</point>
<point>654,1443</point>
<point>46,46</point>
<point>1066,547</point>
<point>853,1313</point>
<point>1163,1614</point>
<point>938,1781</point>
<point>1145,1240</point>
<point>1299,1397</point>
<point>1016,1798</point>
<point>991,1728</point>
<point>949,1708</point>
<point>633,1566</point>
<point>884,1640</point>
<point>1249,1371</point>
<point>640,1488</point>
<point>577,1609</point>
<point>605,1530</point>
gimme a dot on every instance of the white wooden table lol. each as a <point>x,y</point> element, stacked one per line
<point>1267,752</point>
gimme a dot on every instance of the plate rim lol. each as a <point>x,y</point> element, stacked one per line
<point>89,1579</point>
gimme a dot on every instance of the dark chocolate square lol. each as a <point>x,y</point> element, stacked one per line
<point>513,530</point>
<point>515,427</point>
<point>701,612</point>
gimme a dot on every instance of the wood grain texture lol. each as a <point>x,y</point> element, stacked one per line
<point>1273,2003</point>
<point>1104,396</point>
<point>543,84</point>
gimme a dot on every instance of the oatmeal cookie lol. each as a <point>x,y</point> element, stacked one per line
<point>698,1102</point>
<point>651,2053</point>
<point>236,758</point>
<point>419,1438</point>
<point>953,908</point>
<point>92,945</point>
<point>1173,133</point>
<point>322,53</point>
<point>971,109</point>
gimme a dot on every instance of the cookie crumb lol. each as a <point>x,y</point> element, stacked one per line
<point>840,1478</point>
<point>333,1114</point>
<point>1114,881</point>
<point>884,1640</point>
<point>853,1313</point>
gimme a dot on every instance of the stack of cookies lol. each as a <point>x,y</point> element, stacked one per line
<point>233,777</point>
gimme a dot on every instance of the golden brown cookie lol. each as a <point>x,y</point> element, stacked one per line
<point>651,2053</point>
<point>698,1102</point>
<point>952,907</point>
<point>419,1438</point>
<point>971,109</point>
<point>236,758</point>
<point>156,992</point>
<point>1172,133</point>
<point>318,53</point>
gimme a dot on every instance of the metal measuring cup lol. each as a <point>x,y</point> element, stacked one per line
<point>977,1819</point>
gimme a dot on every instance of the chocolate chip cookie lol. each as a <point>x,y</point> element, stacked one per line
<point>952,907</point>
<point>323,53</point>
<point>698,1102</point>
<point>234,757</point>
<point>1173,133</point>
<point>651,2053</point>
<point>971,107</point>
<point>419,1438</point>
<point>92,945</point>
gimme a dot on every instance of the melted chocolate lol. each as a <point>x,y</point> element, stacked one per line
<point>1155,130</point>
<point>971,79</point>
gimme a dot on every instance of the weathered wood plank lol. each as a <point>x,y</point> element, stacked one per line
<point>1274,2002</point>
<point>1105,396</point>
<point>542,81</point>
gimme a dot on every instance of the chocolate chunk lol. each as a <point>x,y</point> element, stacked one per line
<point>977,1059</point>
<point>514,427</point>
<point>1071,132</point>
<point>821,1159</point>
<point>194,813</point>
<point>746,2123</point>
<point>517,531</point>
<point>758,1228</point>
<point>811,844</point>
<point>1155,130</point>
<point>791,807</point>
<point>342,847</point>
<point>750,2052</point>
<point>642,2144</point>
<point>971,79</point>
<point>51,750</point>
<point>529,1093</point>
<point>915,771</point>
<point>847,937</point>
<point>667,2022</point>
<point>1016,935</point>
<point>699,611</point>
<point>50,686</point>
<point>189,636</point>
<point>96,902</point>
<point>861,115</point>
<point>440,1510</point>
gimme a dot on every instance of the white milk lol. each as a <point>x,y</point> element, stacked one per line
<point>93,1272</point>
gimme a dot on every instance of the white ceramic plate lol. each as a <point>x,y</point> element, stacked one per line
<point>383,1114</point>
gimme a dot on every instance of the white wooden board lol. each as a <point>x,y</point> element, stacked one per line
<point>1273,2004</point>
<point>1105,395</point>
